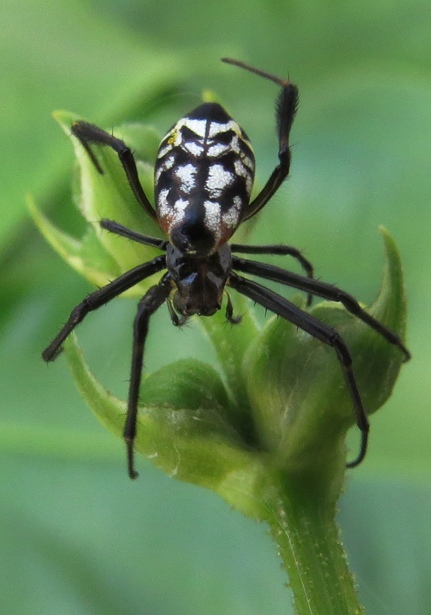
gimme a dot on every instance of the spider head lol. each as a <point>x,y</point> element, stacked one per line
<point>199,282</point>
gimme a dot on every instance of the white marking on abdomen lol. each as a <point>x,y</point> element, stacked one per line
<point>231,216</point>
<point>187,176</point>
<point>218,180</point>
<point>216,128</point>
<point>212,219</point>
<point>199,127</point>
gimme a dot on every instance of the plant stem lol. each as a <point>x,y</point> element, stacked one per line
<point>308,538</point>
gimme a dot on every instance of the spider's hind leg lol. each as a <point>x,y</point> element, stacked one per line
<point>286,107</point>
<point>89,134</point>
<point>123,231</point>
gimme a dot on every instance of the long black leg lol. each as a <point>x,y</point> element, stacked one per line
<point>89,134</point>
<point>151,301</point>
<point>285,112</point>
<point>319,330</point>
<point>321,289</point>
<point>99,298</point>
<point>278,249</point>
<point>123,231</point>
<point>275,250</point>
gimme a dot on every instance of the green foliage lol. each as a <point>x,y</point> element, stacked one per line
<point>74,530</point>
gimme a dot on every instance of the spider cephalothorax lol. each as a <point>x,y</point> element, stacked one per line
<point>203,180</point>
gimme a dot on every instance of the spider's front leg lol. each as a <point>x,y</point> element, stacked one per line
<point>89,134</point>
<point>101,297</point>
<point>320,289</point>
<point>321,331</point>
<point>151,301</point>
<point>277,249</point>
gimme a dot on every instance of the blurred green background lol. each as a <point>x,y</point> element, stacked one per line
<point>76,535</point>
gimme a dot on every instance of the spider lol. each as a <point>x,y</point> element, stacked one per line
<point>204,174</point>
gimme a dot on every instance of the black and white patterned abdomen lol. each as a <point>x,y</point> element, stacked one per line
<point>203,179</point>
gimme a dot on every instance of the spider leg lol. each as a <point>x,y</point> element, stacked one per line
<point>286,107</point>
<point>278,249</point>
<point>285,112</point>
<point>319,330</point>
<point>99,297</point>
<point>151,301</point>
<point>123,231</point>
<point>321,289</point>
<point>89,134</point>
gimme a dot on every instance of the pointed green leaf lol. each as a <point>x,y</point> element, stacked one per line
<point>231,342</point>
<point>87,256</point>
<point>182,428</point>
<point>102,256</point>
<point>300,400</point>
<point>110,196</point>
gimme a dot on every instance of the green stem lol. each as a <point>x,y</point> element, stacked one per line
<point>308,538</point>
